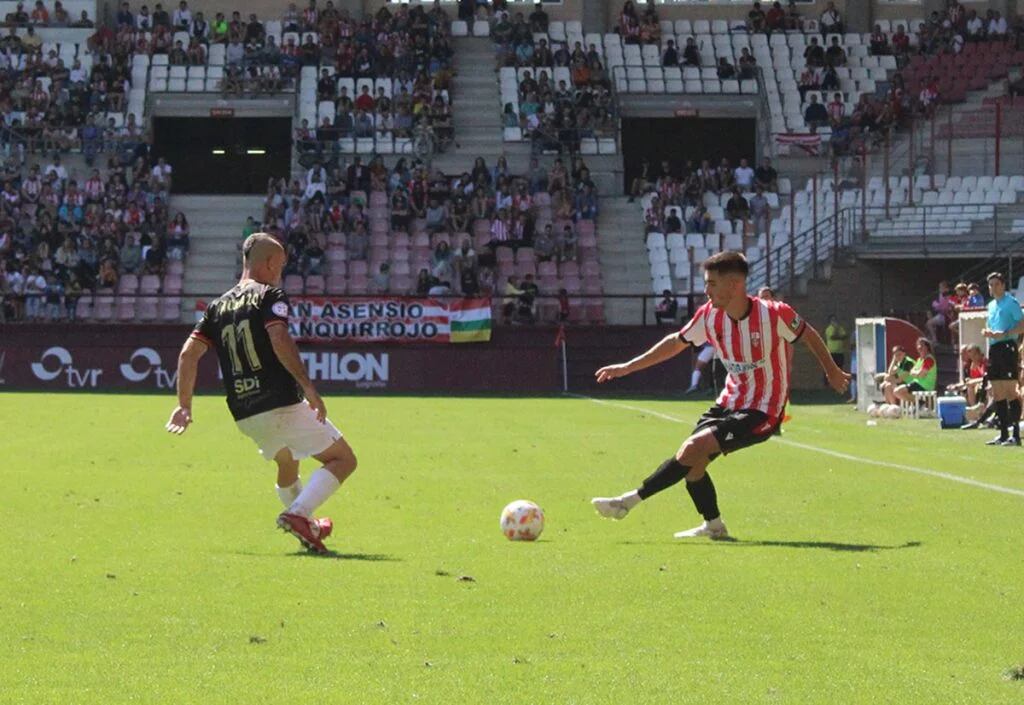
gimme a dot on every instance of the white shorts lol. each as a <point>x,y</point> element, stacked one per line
<point>706,354</point>
<point>293,427</point>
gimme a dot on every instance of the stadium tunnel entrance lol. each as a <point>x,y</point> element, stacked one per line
<point>230,155</point>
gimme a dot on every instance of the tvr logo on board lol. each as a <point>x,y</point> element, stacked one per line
<point>365,369</point>
<point>146,362</point>
<point>56,362</point>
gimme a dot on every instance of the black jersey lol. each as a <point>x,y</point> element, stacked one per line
<point>235,325</point>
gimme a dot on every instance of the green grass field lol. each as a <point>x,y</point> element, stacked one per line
<point>145,568</point>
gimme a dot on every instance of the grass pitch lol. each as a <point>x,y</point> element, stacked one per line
<point>143,568</point>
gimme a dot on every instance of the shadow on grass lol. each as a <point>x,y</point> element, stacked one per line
<point>821,545</point>
<point>369,557</point>
<point>335,555</point>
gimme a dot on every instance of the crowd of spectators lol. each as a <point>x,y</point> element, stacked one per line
<point>679,202</point>
<point>41,16</point>
<point>61,238</point>
<point>49,106</point>
<point>553,112</point>
<point>466,218</point>
<point>410,48</point>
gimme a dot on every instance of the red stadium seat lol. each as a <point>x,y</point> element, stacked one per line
<point>293,285</point>
<point>337,284</point>
<point>129,284</point>
<point>315,284</point>
<point>103,306</point>
<point>170,308</point>
<point>149,284</point>
<point>126,308</point>
<point>147,308</point>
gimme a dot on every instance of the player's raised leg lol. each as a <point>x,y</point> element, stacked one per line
<point>690,463</point>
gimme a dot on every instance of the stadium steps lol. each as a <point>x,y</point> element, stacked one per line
<point>624,265</point>
<point>216,229</point>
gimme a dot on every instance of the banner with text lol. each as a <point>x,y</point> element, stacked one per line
<point>390,320</point>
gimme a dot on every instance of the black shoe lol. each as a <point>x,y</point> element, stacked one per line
<point>969,426</point>
<point>997,441</point>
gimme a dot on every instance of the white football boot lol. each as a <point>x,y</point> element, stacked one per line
<point>714,529</point>
<point>610,507</point>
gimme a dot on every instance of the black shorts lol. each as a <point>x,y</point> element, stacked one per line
<point>736,429</point>
<point>915,387</point>
<point>1003,361</point>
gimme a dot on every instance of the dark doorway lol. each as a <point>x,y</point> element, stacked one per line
<point>685,139</point>
<point>224,155</point>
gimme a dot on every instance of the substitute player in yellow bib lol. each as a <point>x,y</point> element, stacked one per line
<point>268,391</point>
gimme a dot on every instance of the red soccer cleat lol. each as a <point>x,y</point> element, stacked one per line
<point>325,525</point>
<point>305,530</point>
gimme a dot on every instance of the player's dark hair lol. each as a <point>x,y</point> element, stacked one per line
<point>727,263</point>
<point>996,275</point>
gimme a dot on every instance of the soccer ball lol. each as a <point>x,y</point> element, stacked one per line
<point>892,411</point>
<point>522,520</point>
<point>874,410</point>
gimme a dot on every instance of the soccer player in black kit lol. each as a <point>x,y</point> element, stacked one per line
<point>269,393</point>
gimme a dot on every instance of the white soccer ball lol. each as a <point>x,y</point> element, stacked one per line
<point>892,411</point>
<point>873,411</point>
<point>522,520</point>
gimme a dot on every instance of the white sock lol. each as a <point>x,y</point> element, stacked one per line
<point>290,493</point>
<point>694,379</point>
<point>716,523</point>
<point>631,499</point>
<point>321,486</point>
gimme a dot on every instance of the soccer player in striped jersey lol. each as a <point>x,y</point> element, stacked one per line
<point>750,336</point>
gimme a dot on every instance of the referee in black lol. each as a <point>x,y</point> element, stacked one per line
<point>1005,324</point>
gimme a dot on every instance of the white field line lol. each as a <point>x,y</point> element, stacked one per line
<point>825,451</point>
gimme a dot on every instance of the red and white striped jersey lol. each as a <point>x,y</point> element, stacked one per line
<point>753,351</point>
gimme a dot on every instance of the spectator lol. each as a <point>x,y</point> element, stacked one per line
<point>815,115</point>
<point>538,19</point>
<point>670,57</point>
<point>743,176</point>
<point>667,309</point>
<point>831,21</point>
<point>737,207</point>
<point>879,42</point>
<point>942,312</point>
<point>760,212</point>
<point>756,19</point>
<point>178,237</point>
<point>747,64</point>
<point>726,71</point>
<point>526,303</point>
<point>809,81</point>
<point>974,367</point>
<point>691,54</point>
<point>775,18</point>
<point>814,55</point>
<point>836,109</point>
<point>997,28</point>
<point>900,41</point>
<point>381,281</point>
<point>766,177</point>
<point>835,55</point>
<point>700,221</point>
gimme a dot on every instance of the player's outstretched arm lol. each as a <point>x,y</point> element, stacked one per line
<point>188,369</point>
<point>837,379</point>
<point>288,353</point>
<point>665,349</point>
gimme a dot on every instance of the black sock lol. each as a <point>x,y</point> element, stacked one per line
<point>1003,414</point>
<point>1014,408</point>
<point>989,410</point>
<point>704,497</point>
<point>668,473</point>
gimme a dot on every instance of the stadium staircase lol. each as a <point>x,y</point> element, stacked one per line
<point>624,260</point>
<point>216,230</point>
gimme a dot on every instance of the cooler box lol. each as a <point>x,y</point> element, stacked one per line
<point>952,412</point>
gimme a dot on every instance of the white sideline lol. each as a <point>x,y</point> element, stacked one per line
<point>825,451</point>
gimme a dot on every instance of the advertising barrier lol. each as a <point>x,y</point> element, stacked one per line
<point>520,360</point>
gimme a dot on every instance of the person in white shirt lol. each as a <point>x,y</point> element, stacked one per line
<point>162,171</point>
<point>77,74</point>
<point>975,25</point>
<point>316,172</point>
<point>143,21</point>
<point>997,27</point>
<point>744,176</point>
<point>35,287</point>
<point>831,20</point>
<point>315,186</point>
<point>182,17</point>
<point>55,167</point>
